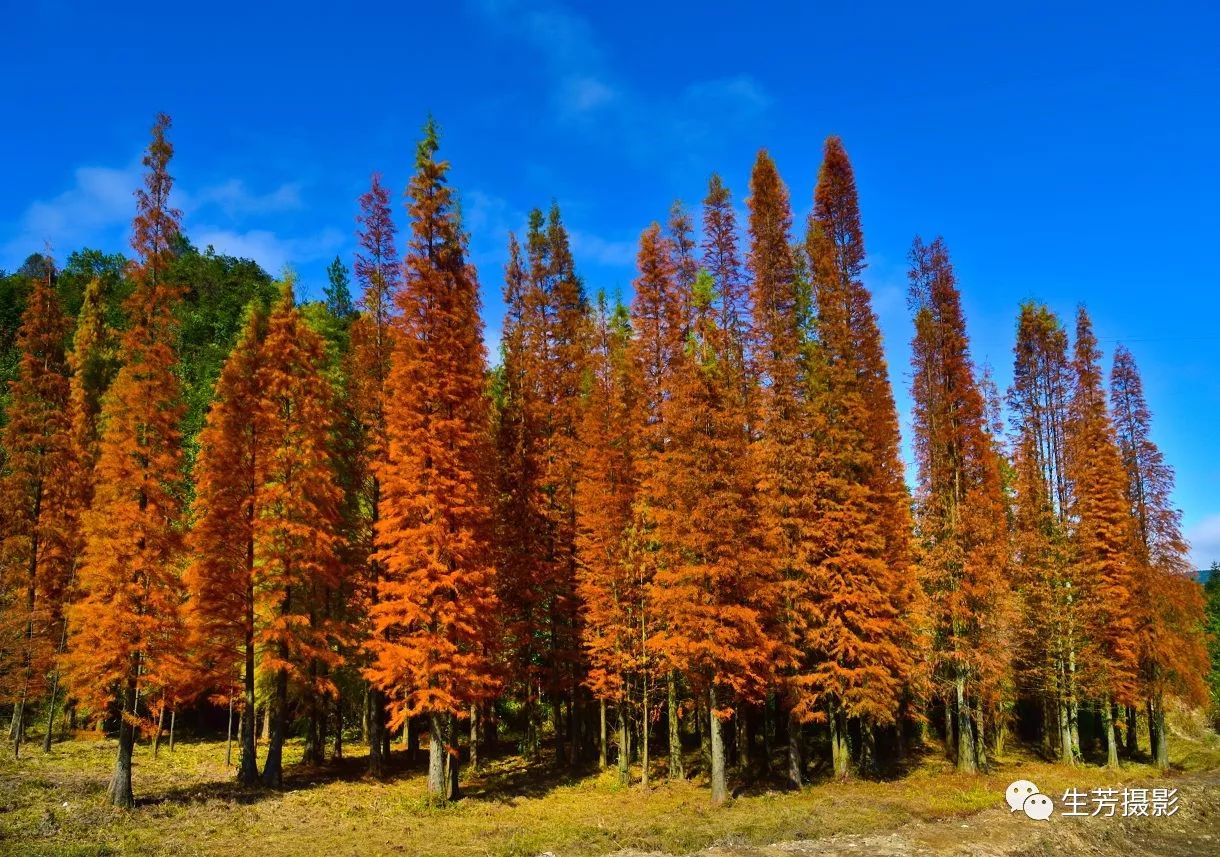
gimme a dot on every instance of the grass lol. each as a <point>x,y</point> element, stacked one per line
<point>188,804</point>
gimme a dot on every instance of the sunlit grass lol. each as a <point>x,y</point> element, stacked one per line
<point>55,804</point>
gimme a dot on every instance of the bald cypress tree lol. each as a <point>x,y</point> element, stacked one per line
<point>222,574</point>
<point>872,595</point>
<point>296,538</point>
<point>125,630</point>
<point>613,601</point>
<point>1102,539</point>
<point>373,332</point>
<point>1051,629</point>
<point>37,533</point>
<point>436,597</point>
<point>711,586</point>
<point>782,452</point>
<point>961,510</point>
<point>1168,605</point>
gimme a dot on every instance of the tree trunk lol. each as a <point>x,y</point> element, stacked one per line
<point>229,735</point>
<point>839,752</point>
<point>375,717</point>
<point>247,774</point>
<point>1161,754</point>
<point>675,737</point>
<point>644,738</point>
<point>720,790</point>
<point>338,749</point>
<point>452,758</point>
<point>795,778</point>
<point>413,741</point>
<point>769,733</point>
<point>965,734</point>
<point>980,737</point>
<point>743,736</point>
<point>173,718</point>
<point>624,748</point>
<point>120,784</point>
<point>436,757</point>
<point>601,736</point>
<point>273,768</point>
<point>1133,740</point>
<point>1150,715</point>
<point>46,739</point>
<point>474,737</point>
<point>160,729</point>
<point>1107,727</point>
<point>950,744</point>
<point>1066,756</point>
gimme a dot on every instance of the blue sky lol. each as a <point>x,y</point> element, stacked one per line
<point>1068,156</point>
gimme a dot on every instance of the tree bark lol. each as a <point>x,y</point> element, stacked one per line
<point>1161,754</point>
<point>229,735</point>
<point>644,738</point>
<point>474,737</point>
<point>624,746</point>
<point>436,758</point>
<point>794,751</point>
<point>375,716</point>
<point>602,736</point>
<point>720,792</point>
<point>1066,756</point>
<point>965,733</point>
<point>273,768</point>
<point>743,736</point>
<point>452,758</point>
<point>247,773</point>
<point>338,749</point>
<point>160,729</point>
<point>1107,727</point>
<point>675,737</point>
<point>839,755</point>
<point>46,739</point>
<point>120,784</point>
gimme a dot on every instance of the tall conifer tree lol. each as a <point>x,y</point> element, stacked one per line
<point>1168,604</point>
<point>868,651</point>
<point>36,525</point>
<point>961,509</point>
<point>126,628</point>
<point>436,604</point>
<point>379,275</point>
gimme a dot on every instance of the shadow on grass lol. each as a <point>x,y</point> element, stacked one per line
<point>502,778</point>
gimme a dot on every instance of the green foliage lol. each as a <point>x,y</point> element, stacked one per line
<point>1211,594</point>
<point>338,291</point>
<point>109,269</point>
<point>216,291</point>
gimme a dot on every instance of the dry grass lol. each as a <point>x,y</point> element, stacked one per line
<point>55,804</point>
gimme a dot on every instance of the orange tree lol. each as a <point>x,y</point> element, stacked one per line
<point>436,600</point>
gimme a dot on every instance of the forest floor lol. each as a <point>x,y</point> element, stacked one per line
<point>188,804</point>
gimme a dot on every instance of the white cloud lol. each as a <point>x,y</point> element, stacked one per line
<point>583,94</point>
<point>267,248</point>
<point>1204,538</point>
<point>236,200</point>
<point>586,246</point>
<point>586,92</point>
<point>741,96</point>
<point>100,198</point>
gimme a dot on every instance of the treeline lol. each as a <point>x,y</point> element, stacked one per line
<point>683,517</point>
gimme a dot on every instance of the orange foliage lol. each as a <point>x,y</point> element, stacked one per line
<point>436,605</point>
<point>36,503</point>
